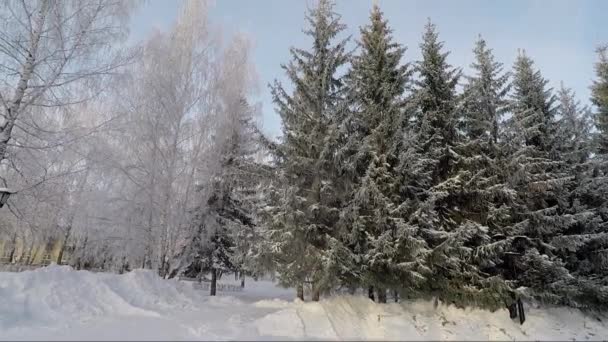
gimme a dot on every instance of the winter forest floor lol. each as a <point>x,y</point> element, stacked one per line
<point>58,303</point>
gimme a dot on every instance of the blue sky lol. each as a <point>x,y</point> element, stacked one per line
<point>560,35</point>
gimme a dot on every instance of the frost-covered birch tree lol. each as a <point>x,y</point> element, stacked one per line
<point>54,54</point>
<point>169,113</point>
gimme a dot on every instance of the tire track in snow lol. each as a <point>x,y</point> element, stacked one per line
<point>301,320</point>
<point>331,322</point>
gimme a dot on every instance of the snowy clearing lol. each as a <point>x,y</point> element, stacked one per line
<point>59,303</point>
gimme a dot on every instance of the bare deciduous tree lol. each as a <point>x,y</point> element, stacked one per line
<point>53,54</point>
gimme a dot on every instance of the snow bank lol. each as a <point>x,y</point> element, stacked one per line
<point>357,318</point>
<point>57,294</point>
<point>58,303</point>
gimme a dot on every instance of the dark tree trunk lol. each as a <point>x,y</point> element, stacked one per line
<point>512,310</point>
<point>30,254</point>
<point>300,292</point>
<point>64,243</point>
<point>60,256</point>
<point>13,248</point>
<point>161,267</point>
<point>520,309</point>
<point>123,266</point>
<point>396,296</point>
<point>83,250</point>
<point>242,280</point>
<point>381,295</point>
<point>213,286</point>
<point>316,295</point>
<point>370,293</point>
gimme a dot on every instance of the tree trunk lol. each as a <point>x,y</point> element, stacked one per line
<point>72,215</point>
<point>316,294</point>
<point>13,248</point>
<point>123,266</point>
<point>300,293</point>
<point>31,253</point>
<point>161,266</point>
<point>242,280</point>
<point>148,250</point>
<point>213,287</point>
<point>370,293</point>
<point>512,310</point>
<point>12,255</point>
<point>396,296</point>
<point>60,255</point>
<point>520,311</point>
<point>27,71</point>
<point>82,253</point>
<point>148,261</point>
<point>382,295</point>
<point>66,237</point>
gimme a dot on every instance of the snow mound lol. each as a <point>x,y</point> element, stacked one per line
<point>57,294</point>
<point>272,303</point>
<point>58,303</point>
<point>358,318</point>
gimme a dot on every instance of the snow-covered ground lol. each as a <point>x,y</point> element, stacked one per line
<point>58,303</point>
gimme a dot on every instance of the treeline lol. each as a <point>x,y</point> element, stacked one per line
<point>391,176</point>
<point>414,178</point>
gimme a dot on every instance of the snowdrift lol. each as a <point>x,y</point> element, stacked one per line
<point>58,293</point>
<point>357,318</point>
<point>59,303</point>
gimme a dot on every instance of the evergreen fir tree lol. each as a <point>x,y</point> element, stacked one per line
<point>426,160</point>
<point>573,143</point>
<point>487,196</point>
<point>600,99</point>
<point>484,104</point>
<point>225,226</point>
<point>244,176</point>
<point>532,105</point>
<point>485,96</point>
<point>583,246</point>
<point>454,189</point>
<point>541,178</point>
<point>303,225</point>
<point>379,238</point>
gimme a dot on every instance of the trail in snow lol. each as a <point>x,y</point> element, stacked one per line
<point>58,303</point>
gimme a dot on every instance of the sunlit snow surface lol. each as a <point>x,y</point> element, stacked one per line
<point>58,303</point>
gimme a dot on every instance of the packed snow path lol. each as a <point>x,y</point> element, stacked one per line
<point>59,303</point>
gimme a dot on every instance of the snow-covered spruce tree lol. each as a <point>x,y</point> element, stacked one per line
<point>218,217</point>
<point>450,191</point>
<point>377,234</point>
<point>541,178</point>
<point>573,143</point>
<point>245,174</point>
<point>224,228</point>
<point>488,197</point>
<point>484,96</point>
<point>583,246</point>
<point>224,225</point>
<point>600,100</point>
<point>306,215</point>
